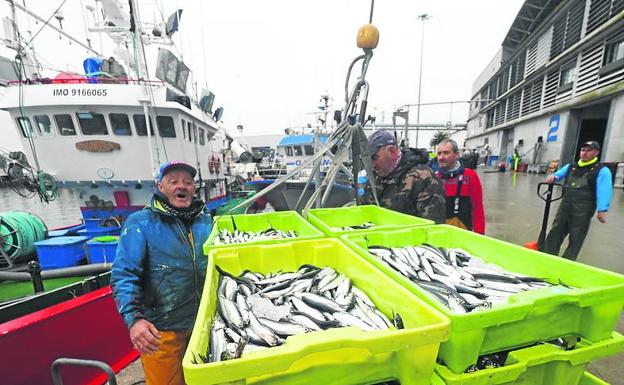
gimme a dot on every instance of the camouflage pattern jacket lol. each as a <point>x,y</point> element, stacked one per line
<point>412,189</point>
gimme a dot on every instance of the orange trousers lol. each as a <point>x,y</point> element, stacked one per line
<point>165,366</point>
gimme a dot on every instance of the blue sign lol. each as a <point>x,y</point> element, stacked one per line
<point>553,126</point>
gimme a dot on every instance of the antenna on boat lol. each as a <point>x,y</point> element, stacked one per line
<point>347,145</point>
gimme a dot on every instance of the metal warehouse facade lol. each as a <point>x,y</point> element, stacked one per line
<point>557,81</point>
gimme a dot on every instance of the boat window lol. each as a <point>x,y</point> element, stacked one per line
<point>298,151</point>
<point>120,124</point>
<point>25,126</point>
<point>44,126</point>
<point>190,131</point>
<point>184,129</point>
<point>92,123</point>
<point>8,70</point>
<point>65,125</point>
<point>309,150</point>
<point>289,151</point>
<point>166,129</point>
<point>202,139</point>
<point>139,125</point>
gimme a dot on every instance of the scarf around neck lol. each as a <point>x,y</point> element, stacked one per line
<point>186,215</point>
<point>589,162</point>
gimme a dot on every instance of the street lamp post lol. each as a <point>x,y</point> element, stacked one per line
<point>422,18</point>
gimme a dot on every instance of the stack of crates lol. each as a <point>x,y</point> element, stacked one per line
<point>437,346</point>
<point>589,312</point>
<point>341,356</point>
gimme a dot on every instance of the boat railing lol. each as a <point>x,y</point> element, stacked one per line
<point>85,80</point>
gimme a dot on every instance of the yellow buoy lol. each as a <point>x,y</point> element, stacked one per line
<point>368,36</point>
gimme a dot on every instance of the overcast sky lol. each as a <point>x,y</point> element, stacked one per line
<point>268,61</point>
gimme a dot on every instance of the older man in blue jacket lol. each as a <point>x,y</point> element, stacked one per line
<point>159,272</point>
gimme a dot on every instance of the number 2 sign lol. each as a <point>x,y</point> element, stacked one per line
<point>553,126</point>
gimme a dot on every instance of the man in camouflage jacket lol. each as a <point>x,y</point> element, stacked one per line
<point>404,182</point>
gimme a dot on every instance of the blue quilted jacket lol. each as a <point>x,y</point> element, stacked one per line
<point>160,268</point>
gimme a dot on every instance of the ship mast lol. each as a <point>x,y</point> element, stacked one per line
<point>141,68</point>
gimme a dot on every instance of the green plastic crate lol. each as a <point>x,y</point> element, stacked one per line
<point>540,365</point>
<point>586,379</point>
<point>590,379</point>
<point>329,221</point>
<point>283,220</point>
<point>336,356</point>
<point>590,312</point>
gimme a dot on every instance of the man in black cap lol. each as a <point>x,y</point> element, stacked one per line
<point>587,186</point>
<point>404,182</point>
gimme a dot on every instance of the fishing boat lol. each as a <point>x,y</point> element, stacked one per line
<point>104,132</point>
<point>293,150</point>
<point>101,133</point>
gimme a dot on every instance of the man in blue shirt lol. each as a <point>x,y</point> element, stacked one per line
<point>587,186</point>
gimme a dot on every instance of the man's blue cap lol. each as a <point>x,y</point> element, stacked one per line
<point>379,139</point>
<point>175,165</point>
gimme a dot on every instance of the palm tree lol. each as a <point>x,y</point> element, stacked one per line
<point>438,137</point>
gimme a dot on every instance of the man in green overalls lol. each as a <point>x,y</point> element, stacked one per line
<point>587,186</point>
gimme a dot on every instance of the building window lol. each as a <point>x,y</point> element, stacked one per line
<point>613,58</point>
<point>190,131</point>
<point>615,52</point>
<point>184,129</point>
<point>166,129</point>
<point>25,126</point>
<point>120,124</point>
<point>139,125</point>
<point>44,126</point>
<point>202,138</point>
<point>289,151</point>
<point>92,123</point>
<point>309,150</point>
<point>65,125</point>
<point>298,151</point>
<point>567,76</point>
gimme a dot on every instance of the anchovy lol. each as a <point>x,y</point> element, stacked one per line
<point>321,302</point>
<point>347,319</point>
<point>243,309</point>
<point>225,237</point>
<point>304,321</point>
<point>262,331</point>
<point>230,313</point>
<point>283,328</point>
<point>309,311</point>
<point>218,341</point>
<point>362,296</point>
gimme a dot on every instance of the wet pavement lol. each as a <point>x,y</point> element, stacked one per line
<point>514,214</point>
